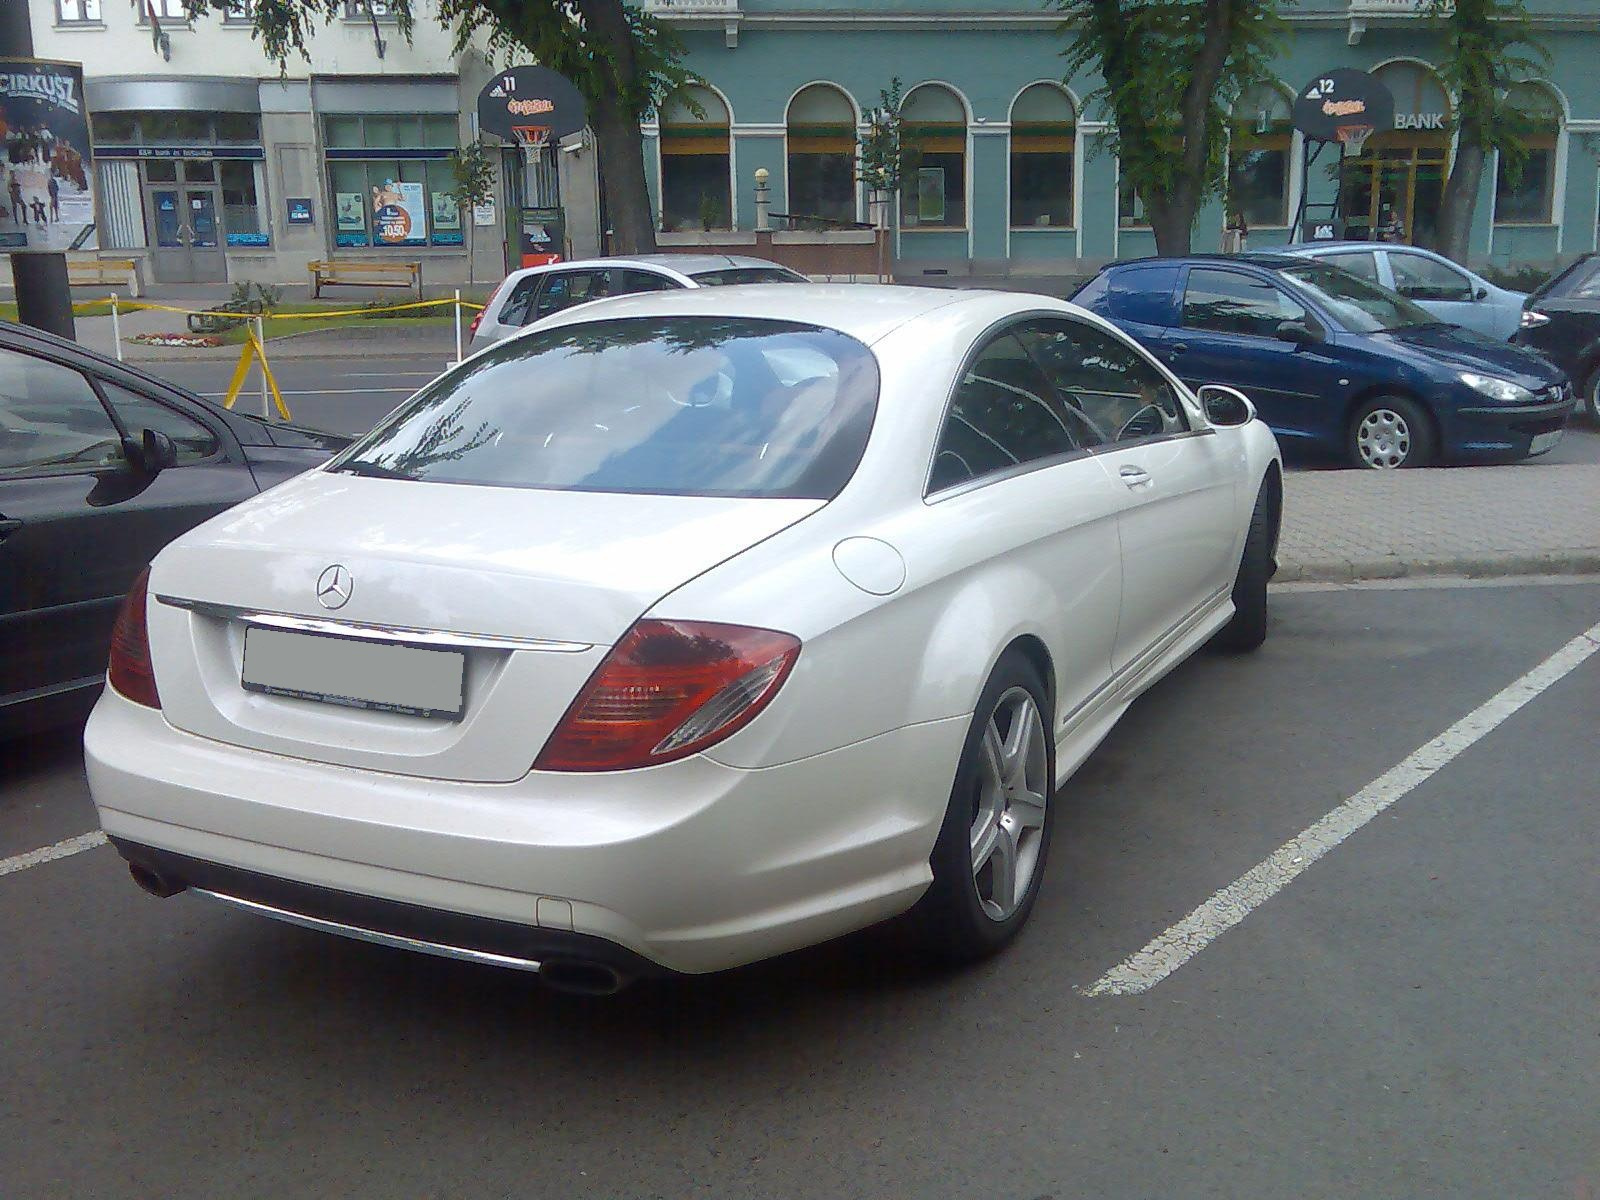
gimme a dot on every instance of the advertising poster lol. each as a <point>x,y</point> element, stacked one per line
<point>46,189</point>
<point>446,220</point>
<point>398,215</point>
<point>930,195</point>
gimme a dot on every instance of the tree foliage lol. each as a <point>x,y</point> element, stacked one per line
<point>1488,46</point>
<point>880,152</point>
<point>1172,70</point>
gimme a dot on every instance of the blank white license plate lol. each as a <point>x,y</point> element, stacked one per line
<point>383,676</point>
<point>1543,441</point>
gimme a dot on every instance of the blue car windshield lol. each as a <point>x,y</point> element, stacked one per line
<point>1359,306</point>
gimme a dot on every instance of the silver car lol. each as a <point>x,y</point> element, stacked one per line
<point>534,293</point>
<point>1446,289</point>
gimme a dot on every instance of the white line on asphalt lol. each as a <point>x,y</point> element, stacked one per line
<point>62,849</point>
<point>390,374</point>
<point>1171,949</point>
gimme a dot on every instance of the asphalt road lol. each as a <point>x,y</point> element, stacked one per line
<point>1413,1016</point>
<point>349,396</point>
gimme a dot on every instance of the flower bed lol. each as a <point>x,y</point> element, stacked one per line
<point>175,339</point>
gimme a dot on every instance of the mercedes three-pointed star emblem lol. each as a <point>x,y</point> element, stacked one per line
<point>333,587</point>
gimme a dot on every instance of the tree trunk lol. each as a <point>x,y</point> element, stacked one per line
<point>616,128</point>
<point>1173,224</point>
<point>1454,230</point>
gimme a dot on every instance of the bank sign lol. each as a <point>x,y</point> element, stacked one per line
<point>46,175</point>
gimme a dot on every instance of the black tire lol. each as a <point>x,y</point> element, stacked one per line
<point>1591,396</point>
<point>952,921</point>
<point>1401,434</point>
<point>1248,628</point>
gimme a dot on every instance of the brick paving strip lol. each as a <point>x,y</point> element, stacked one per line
<point>1523,519</point>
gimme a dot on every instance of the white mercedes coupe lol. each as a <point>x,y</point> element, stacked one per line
<point>688,629</point>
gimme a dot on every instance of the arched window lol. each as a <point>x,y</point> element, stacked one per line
<point>1258,158</point>
<point>1043,133</point>
<point>1525,196</point>
<point>695,184</point>
<point>933,138</point>
<point>821,130</point>
<point>1393,190</point>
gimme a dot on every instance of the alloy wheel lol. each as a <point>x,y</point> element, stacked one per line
<point>1384,439</point>
<point>1009,808</point>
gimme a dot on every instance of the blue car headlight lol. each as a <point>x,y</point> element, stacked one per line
<point>1497,389</point>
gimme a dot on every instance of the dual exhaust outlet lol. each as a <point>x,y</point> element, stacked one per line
<point>575,976</point>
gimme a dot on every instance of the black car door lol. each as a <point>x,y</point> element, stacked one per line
<point>79,520</point>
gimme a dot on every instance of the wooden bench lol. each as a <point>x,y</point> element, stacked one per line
<point>85,272</point>
<point>365,273</point>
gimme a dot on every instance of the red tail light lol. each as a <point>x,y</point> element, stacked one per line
<point>669,689</point>
<point>130,672</point>
<point>488,304</point>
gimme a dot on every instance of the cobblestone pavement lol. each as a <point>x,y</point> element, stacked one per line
<point>1512,520</point>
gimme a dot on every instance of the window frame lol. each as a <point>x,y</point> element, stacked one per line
<point>1331,260</point>
<point>1400,256</point>
<point>85,21</point>
<point>44,471</point>
<point>1183,301</point>
<point>219,453</point>
<point>1198,426</point>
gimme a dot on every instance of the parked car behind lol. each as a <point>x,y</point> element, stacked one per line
<point>1436,284</point>
<point>534,293</point>
<point>1337,363</point>
<point>100,466</point>
<point>1562,321</point>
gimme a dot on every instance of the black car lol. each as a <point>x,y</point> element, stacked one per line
<point>100,466</point>
<point>1562,321</point>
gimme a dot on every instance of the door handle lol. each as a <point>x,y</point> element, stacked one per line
<point>1179,347</point>
<point>8,527</point>
<point>1134,476</point>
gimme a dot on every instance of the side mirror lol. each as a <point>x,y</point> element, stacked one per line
<point>152,452</point>
<point>1481,294</point>
<point>1225,406</point>
<point>1297,332</point>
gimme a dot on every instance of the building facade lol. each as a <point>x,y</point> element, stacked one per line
<point>1011,169</point>
<point>211,165</point>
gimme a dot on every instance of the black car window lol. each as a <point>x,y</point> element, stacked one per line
<point>670,406</point>
<point>1231,302</point>
<point>193,441</point>
<point>563,289</point>
<point>50,420</point>
<point>1004,414</point>
<point>1110,386</point>
<point>518,306</point>
<point>735,275</point>
<point>633,282</point>
<point>1417,277</point>
<point>1358,262</point>
<point>1359,306</point>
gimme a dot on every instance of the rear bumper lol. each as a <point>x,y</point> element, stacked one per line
<point>689,867</point>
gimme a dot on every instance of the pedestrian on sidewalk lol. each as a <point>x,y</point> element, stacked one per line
<point>55,199</point>
<point>19,214</point>
<point>1236,237</point>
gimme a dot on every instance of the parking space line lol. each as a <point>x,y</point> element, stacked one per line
<point>62,849</point>
<point>1178,944</point>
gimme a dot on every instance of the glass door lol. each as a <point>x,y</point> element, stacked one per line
<point>182,200</point>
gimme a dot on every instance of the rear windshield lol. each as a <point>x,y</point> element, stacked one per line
<point>1361,307</point>
<point>732,275</point>
<point>676,406</point>
<point>1580,281</point>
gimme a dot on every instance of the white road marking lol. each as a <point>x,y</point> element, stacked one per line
<point>1181,942</point>
<point>391,374</point>
<point>62,849</point>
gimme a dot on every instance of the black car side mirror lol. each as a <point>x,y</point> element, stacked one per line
<point>1481,294</point>
<point>1226,407</point>
<point>1297,332</point>
<point>152,452</point>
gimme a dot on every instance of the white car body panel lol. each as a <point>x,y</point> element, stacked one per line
<point>816,818</point>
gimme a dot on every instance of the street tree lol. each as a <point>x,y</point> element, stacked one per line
<point>621,60</point>
<point>1172,70</point>
<point>1489,45</point>
<point>471,184</point>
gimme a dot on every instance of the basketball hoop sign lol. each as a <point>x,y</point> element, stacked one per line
<point>1343,105</point>
<point>530,106</point>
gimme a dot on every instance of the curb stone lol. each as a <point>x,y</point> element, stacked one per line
<point>1575,562</point>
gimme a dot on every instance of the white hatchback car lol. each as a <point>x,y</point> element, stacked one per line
<point>688,630</point>
<point>535,293</point>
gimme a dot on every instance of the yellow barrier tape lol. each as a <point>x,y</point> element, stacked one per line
<point>255,350</point>
<point>135,305</point>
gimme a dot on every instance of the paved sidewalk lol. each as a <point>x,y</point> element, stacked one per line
<point>1521,519</point>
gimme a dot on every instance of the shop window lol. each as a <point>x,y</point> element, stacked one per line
<point>933,136</point>
<point>115,129</point>
<point>438,130</point>
<point>388,204</point>
<point>822,154</point>
<point>1130,205</point>
<point>1527,197</point>
<point>1258,158</point>
<point>342,131</point>
<point>77,12</point>
<point>238,127</point>
<point>696,191</point>
<point>1043,133</point>
<point>241,211</point>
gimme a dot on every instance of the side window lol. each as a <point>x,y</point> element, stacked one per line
<point>1109,387</point>
<point>1362,262</point>
<point>518,306</point>
<point>50,420</point>
<point>1003,415</point>
<point>644,281</point>
<point>563,289</point>
<point>1420,278</point>
<point>193,440</point>
<point>1229,302</point>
